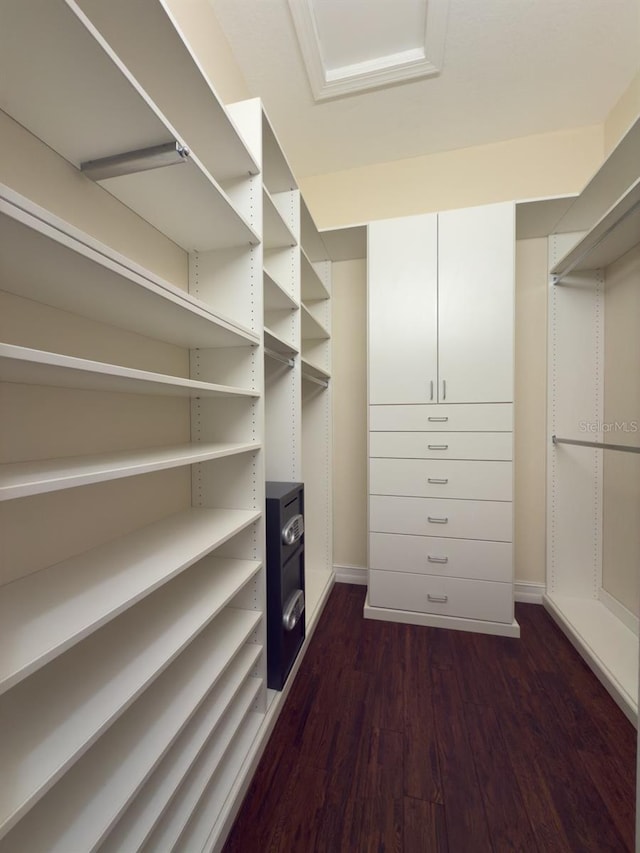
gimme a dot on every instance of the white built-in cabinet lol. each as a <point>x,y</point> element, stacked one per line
<point>443,332</point>
<point>139,422</point>
<point>440,322</point>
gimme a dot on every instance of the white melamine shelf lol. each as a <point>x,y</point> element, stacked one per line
<point>199,834</point>
<point>135,826</point>
<point>278,344</point>
<point>21,479</point>
<point>167,68</point>
<point>608,646</point>
<point>346,244</point>
<point>611,237</point>
<point>312,329</point>
<point>74,114</point>
<point>46,613</point>
<point>79,812</point>
<point>276,296</point>
<point>277,234</point>
<point>312,286</point>
<point>314,371</point>
<point>176,817</point>
<point>45,259</point>
<point>37,367</point>
<point>52,718</point>
<point>186,204</point>
<point>310,239</point>
<point>276,172</point>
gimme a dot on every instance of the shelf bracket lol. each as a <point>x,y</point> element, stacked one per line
<point>141,160</point>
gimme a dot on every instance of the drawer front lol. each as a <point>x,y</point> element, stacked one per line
<point>431,555</point>
<point>477,417</point>
<point>430,478</point>
<point>491,520</point>
<point>486,600</point>
<point>442,445</point>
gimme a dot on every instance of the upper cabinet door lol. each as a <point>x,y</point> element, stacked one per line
<point>403,327</point>
<point>476,303</point>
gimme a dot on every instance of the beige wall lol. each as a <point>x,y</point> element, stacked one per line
<point>531,167</point>
<point>202,31</point>
<point>621,483</point>
<point>622,115</point>
<point>349,384</point>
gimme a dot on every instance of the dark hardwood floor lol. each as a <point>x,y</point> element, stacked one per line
<point>400,738</point>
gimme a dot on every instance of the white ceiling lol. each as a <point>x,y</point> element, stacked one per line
<point>510,68</point>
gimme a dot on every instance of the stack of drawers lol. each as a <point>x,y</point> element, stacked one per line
<point>440,512</point>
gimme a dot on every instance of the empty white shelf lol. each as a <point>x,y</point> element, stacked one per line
<point>208,728</point>
<point>37,367</point>
<point>199,834</point>
<point>611,237</point>
<point>313,288</point>
<point>21,479</point>
<point>276,232</point>
<point>276,171</point>
<point>50,261</point>
<point>52,718</point>
<point>311,240</point>
<point>45,613</point>
<point>278,344</point>
<point>176,817</point>
<point>84,806</point>
<point>73,113</point>
<point>276,297</point>
<point>609,647</point>
<point>312,329</point>
<point>314,371</point>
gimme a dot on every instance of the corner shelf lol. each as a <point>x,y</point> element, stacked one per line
<point>49,261</point>
<point>38,367</point>
<point>102,784</point>
<point>21,479</point>
<point>45,613</point>
<point>615,233</point>
<point>92,685</point>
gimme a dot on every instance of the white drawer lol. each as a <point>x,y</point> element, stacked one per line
<point>431,555</point>
<point>430,478</point>
<point>486,600</point>
<point>465,417</point>
<point>492,520</point>
<point>442,445</point>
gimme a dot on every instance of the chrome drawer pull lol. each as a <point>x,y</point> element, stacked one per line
<point>438,420</point>
<point>438,446</point>
<point>442,599</point>
<point>437,520</point>
<point>437,481</point>
<point>431,559</point>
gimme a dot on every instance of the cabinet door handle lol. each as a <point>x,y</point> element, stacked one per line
<point>444,389</point>
<point>437,481</point>
<point>437,520</point>
<point>437,420</point>
<point>437,446</point>
<point>442,599</point>
<point>431,390</point>
<point>431,559</point>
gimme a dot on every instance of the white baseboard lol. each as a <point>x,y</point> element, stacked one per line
<point>351,574</point>
<point>627,618</point>
<point>529,593</point>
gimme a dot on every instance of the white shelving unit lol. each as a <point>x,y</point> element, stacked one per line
<point>142,421</point>
<point>594,232</point>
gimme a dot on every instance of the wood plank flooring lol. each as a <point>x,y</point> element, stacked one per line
<point>403,738</point>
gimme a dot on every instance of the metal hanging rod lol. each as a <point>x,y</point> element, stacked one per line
<point>276,356</point>
<point>140,160</point>
<point>599,445</point>
<point>322,382</point>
